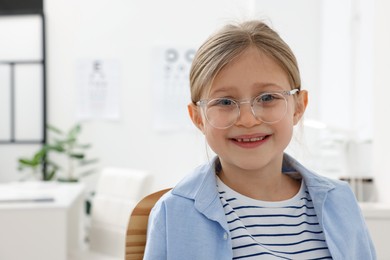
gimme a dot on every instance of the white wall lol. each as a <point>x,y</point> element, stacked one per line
<point>381,95</point>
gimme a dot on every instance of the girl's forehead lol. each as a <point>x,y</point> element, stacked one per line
<point>250,71</point>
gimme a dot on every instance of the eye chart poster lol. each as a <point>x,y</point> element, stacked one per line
<point>170,84</point>
<point>98,89</point>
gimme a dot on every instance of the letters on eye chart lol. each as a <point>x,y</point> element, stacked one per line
<point>170,85</point>
<point>98,83</point>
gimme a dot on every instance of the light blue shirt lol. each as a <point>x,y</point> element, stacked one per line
<point>189,221</point>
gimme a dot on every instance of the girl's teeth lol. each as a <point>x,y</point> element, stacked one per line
<point>254,139</point>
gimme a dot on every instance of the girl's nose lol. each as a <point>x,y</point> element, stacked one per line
<point>247,118</point>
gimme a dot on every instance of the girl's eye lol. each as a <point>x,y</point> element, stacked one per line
<point>222,102</point>
<point>266,98</point>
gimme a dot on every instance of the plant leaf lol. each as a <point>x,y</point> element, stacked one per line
<point>74,131</point>
<point>69,140</point>
<point>77,155</point>
<point>27,162</point>
<point>38,156</point>
<point>51,174</point>
<point>54,129</point>
<point>56,147</point>
<point>87,162</point>
<point>83,146</point>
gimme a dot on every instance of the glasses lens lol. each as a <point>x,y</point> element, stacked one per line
<point>222,112</point>
<point>270,107</point>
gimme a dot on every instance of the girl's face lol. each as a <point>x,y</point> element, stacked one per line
<point>250,144</point>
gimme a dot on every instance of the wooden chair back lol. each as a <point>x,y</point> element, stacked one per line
<point>138,224</point>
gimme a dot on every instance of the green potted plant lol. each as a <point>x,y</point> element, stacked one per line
<point>66,145</point>
<point>36,164</point>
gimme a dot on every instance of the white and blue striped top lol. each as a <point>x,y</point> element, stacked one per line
<point>273,230</point>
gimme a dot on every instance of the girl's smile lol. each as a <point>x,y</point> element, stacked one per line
<point>250,141</point>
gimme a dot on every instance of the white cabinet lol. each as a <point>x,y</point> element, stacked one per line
<point>377,217</point>
<point>40,221</point>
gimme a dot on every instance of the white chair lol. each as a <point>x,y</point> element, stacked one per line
<point>117,192</point>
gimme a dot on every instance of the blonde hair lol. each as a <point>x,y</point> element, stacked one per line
<point>228,43</point>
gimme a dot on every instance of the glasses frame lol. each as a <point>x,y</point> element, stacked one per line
<point>204,102</point>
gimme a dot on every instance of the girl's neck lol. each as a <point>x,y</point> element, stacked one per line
<point>268,184</point>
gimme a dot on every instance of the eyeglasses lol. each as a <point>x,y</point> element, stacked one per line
<point>268,107</point>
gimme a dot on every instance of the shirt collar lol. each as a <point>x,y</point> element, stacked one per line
<point>201,184</point>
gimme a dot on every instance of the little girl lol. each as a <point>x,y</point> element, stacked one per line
<point>253,201</point>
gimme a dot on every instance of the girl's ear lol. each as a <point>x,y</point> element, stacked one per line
<point>301,105</point>
<point>196,116</point>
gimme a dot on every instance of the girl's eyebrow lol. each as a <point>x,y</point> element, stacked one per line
<point>258,86</point>
<point>221,90</point>
<point>268,85</point>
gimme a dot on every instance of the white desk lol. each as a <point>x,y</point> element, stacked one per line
<point>40,220</point>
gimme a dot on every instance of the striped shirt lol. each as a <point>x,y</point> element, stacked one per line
<point>286,229</point>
